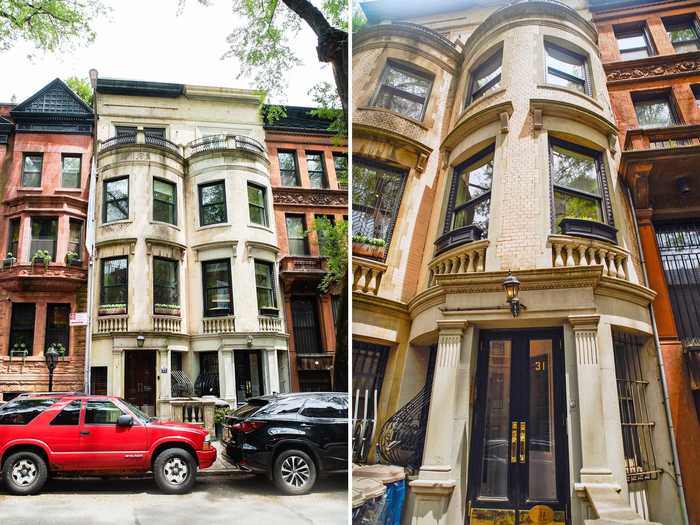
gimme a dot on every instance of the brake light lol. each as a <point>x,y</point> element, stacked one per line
<point>248,426</point>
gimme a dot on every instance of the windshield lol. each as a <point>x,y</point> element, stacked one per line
<point>144,418</point>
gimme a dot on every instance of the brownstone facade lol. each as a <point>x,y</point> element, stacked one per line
<point>307,187</point>
<point>651,56</point>
<point>45,158</point>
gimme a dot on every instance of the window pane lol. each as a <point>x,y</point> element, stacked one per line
<point>165,282</point>
<point>376,195</point>
<point>653,113</point>
<point>631,41</point>
<point>686,47</point>
<point>102,413</point>
<point>22,328</point>
<point>31,173</point>
<point>212,200</point>
<point>681,32</point>
<point>23,411</point>
<point>567,205</point>
<point>574,170</point>
<point>213,194</point>
<point>57,327</point>
<point>287,161</point>
<point>44,233</point>
<point>164,191</point>
<point>314,163</point>
<point>638,53</point>
<point>476,214</point>
<point>407,82</point>
<point>475,180</point>
<point>70,415</point>
<point>401,105</point>
<point>256,195</point>
<point>263,283</point>
<point>70,173</point>
<point>488,72</point>
<point>568,63</point>
<point>553,78</point>
<point>116,199</point>
<point>115,279</point>
<point>296,235</point>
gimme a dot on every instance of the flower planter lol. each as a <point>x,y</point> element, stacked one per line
<point>111,311</point>
<point>368,250</point>
<point>8,262</point>
<point>161,310</point>
<point>587,228</point>
<point>77,263</point>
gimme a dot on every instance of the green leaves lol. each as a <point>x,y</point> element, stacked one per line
<point>333,244</point>
<point>48,24</point>
<point>81,87</point>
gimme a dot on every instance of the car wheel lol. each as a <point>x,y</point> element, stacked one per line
<point>294,472</point>
<point>175,471</point>
<point>24,473</point>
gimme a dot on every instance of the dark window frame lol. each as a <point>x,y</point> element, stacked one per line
<point>12,336</point>
<point>689,20</point>
<point>171,205</point>
<point>13,245</point>
<point>106,201</point>
<point>338,172</point>
<point>399,196</point>
<point>639,29</point>
<point>24,172</point>
<point>305,238</point>
<point>606,204</point>
<point>324,177</point>
<point>408,69</point>
<point>695,88</point>
<point>272,290</point>
<point>175,286</point>
<point>263,206</point>
<point>43,219</point>
<point>476,94</point>
<point>657,95</point>
<point>585,82</point>
<point>294,172</point>
<point>65,156</point>
<point>79,248</point>
<point>64,339</point>
<point>121,285</point>
<point>202,206</point>
<point>206,311</point>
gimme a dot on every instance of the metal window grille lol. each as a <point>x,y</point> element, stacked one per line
<point>637,428</point>
<point>679,245</point>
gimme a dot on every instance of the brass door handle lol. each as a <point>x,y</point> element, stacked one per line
<point>522,441</point>
<point>514,442</point>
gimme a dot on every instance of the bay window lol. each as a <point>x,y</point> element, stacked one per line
<point>116,200</point>
<point>166,289</point>
<point>212,203</point>
<point>566,68</point>
<point>218,293</point>
<point>164,201</point>
<point>44,234</point>
<point>264,287</point>
<point>404,90</point>
<point>257,206</point>
<point>486,77</point>
<point>115,282</point>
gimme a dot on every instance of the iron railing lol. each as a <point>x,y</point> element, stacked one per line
<point>180,384</point>
<point>223,142</point>
<point>207,384</point>
<point>161,142</point>
<point>637,427</point>
<point>119,140</point>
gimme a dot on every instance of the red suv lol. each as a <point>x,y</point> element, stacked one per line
<point>95,435</point>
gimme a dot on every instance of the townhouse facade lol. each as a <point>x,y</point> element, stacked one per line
<point>186,300</point>
<point>45,159</point>
<point>309,181</point>
<point>651,56</point>
<point>501,317</point>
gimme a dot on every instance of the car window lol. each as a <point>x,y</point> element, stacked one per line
<point>23,411</point>
<point>248,409</point>
<point>284,406</point>
<point>70,415</point>
<point>102,413</point>
<point>328,407</point>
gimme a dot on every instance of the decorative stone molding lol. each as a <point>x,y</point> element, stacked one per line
<point>585,332</point>
<point>367,275</point>
<point>468,258</point>
<point>251,246</point>
<point>653,68</point>
<point>163,248</point>
<point>115,247</point>
<point>213,246</point>
<point>567,110</point>
<point>309,197</point>
<point>470,122</point>
<point>577,251</point>
<point>449,342</point>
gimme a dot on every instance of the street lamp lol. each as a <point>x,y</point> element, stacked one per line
<point>51,358</point>
<point>511,285</point>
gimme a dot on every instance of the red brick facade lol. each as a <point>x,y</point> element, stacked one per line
<point>300,275</point>
<point>654,159</point>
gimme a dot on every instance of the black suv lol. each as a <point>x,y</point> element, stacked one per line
<point>292,438</point>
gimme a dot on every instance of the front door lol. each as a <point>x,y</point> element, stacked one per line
<point>140,380</point>
<point>519,459</point>
<point>249,379</point>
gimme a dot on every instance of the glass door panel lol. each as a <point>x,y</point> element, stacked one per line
<point>542,475</point>
<point>496,444</point>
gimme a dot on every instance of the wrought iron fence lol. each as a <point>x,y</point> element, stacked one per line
<point>180,384</point>
<point>161,142</point>
<point>119,140</point>
<point>220,142</point>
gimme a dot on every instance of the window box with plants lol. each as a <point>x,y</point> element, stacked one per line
<point>41,258</point>
<point>9,260</point>
<point>73,259</point>
<point>371,247</point>
<point>19,350</point>
<point>588,228</point>
<point>112,309</point>
<point>167,309</point>
<point>58,348</point>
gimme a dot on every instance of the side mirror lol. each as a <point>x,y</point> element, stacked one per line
<point>125,421</point>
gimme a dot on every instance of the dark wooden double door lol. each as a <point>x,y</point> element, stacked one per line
<point>519,460</point>
<point>140,380</point>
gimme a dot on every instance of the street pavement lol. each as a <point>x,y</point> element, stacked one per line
<point>216,499</point>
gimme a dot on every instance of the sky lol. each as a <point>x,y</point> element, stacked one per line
<point>148,40</point>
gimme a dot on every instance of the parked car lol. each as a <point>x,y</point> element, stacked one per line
<point>292,438</point>
<point>46,434</point>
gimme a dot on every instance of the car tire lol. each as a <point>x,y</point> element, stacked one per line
<point>294,472</point>
<point>24,473</point>
<point>175,471</point>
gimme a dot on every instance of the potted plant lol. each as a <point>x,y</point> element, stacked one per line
<point>365,246</point>
<point>58,348</point>
<point>168,309</point>
<point>112,309</point>
<point>19,349</point>
<point>73,259</point>
<point>219,418</point>
<point>41,256</point>
<point>9,260</point>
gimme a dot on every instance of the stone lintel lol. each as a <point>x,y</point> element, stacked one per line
<point>452,326</point>
<point>584,321</point>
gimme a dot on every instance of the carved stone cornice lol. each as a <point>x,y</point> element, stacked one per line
<point>309,197</point>
<point>653,68</point>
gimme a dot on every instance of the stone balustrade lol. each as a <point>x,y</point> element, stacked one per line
<point>269,323</point>
<point>575,251</point>
<point>194,410</point>
<point>465,259</point>
<point>167,323</point>
<point>112,323</point>
<point>218,325</point>
<point>367,275</point>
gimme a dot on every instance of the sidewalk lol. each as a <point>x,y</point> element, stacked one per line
<point>221,467</point>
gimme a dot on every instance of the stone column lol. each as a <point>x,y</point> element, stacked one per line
<point>271,373</point>
<point>117,372</point>
<point>165,384</point>
<point>432,490</point>
<point>227,376</point>
<point>594,464</point>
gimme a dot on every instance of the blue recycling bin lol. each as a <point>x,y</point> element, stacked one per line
<point>394,480</point>
<point>395,497</point>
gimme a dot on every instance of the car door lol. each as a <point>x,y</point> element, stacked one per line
<point>63,436</point>
<point>324,417</point>
<point>107,446</point>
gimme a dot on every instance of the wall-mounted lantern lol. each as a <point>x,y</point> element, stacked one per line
<point>511,285</point>
<point>140,339</point>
